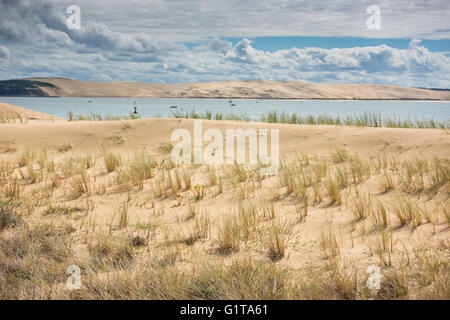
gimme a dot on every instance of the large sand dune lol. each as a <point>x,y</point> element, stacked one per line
<point>262,89</point>
<point>141,227</point>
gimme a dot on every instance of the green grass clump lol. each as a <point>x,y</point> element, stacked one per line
<point>365,119</point>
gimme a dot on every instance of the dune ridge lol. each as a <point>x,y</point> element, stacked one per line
<point>248,89</point>
<point>12,112</point>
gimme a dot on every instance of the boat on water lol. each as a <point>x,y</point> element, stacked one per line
<point>173,107</point>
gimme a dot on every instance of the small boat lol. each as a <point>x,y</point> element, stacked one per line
<point>232,105</point>
<point>173,107</point>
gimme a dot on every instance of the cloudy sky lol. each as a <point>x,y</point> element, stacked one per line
<point>174,41</point>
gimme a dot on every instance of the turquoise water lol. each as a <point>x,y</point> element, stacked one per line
<point>151,108</point>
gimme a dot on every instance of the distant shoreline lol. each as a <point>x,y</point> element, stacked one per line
<point>227,98</point>
<point>247,89</point>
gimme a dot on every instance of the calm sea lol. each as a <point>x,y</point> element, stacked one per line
<point>151,108</point>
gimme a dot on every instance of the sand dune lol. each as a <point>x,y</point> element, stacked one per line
<point>9,112</point>
<point>262,89</point>
<point>104,195</point>
<point>316,139</point>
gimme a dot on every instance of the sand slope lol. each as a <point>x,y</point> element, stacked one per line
<point>262,89</point>
<point>317,139</point>
<point>94,210</point>
<point>9,111</point>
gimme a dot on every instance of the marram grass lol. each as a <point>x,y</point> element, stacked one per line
<point>366,119</point>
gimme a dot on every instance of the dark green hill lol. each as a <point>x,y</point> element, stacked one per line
<point>23,88</point>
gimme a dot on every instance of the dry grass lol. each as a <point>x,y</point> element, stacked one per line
<point>192,212</point>
<point>7,217</point>
<point>140,169</point>
<point>359,169</point>
<point>107,255</point>
<point>202,228</point>
<point>11,190</point>
<point>382,246</point>
<point>26,156</point>
<point>32,253</point>
<point>123,216</point>
<point>329,244</point>
<point>64,147</point>
<point>387,181</point>
<point>278,239</point>
<point>156,230</point>
<point>111,160</point>
<point>31,174</point>
<point>80,185</point>
<point>240,173</point>
<point>334,191</point>
<point>407,211</point>
<point>60,210</point>
<point>165,148</point>
<point>268,209</point>
<point>362,206</point>
<point>339,155</point>
<point>229,237</point>
<point>379,216</point>
<point>186,175</point>
<point>446,214</point>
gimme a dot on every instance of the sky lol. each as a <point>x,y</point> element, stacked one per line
<point>174,41</point>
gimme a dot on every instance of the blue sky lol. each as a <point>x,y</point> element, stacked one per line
<point>273,44</point>
<point>215,40</point>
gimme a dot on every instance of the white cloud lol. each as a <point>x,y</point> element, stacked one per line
<point>115,46</point>
<point>194,20</point>
<point>53,36</point>
<point>219,45</point>
<point>4,52</point>
<point>415,66</point>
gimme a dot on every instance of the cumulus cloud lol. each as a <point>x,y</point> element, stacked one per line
<point>19,18</point>
<point>379,59</point>
<point>219,45</point>
<point>54,36</point>
<point>4,52</point>
<point>22,19</point>
<point>11,31</point>
<point>36,32</point>
<point>414,66</point>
